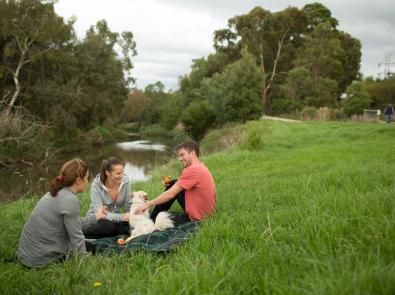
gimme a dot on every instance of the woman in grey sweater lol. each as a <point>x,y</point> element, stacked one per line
<point>54,227</point>
<point>110,188</point>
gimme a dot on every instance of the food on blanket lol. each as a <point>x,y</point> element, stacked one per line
<point>166,180</point>
<point>121,241</point>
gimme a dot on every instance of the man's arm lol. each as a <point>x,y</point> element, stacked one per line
<point>162,198</point>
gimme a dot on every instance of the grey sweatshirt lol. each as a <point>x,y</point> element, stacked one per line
<point>52,231</point>
<point>100,197</point>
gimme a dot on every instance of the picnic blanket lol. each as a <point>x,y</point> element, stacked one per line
<point>157,241</point>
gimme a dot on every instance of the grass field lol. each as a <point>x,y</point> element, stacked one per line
<point>302,208</point>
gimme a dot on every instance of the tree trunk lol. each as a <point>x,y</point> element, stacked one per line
<point>266,85</point>
<point>15,74</point>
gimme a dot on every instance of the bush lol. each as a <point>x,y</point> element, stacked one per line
<point>253,140</point>
<point>285,106</point>
<point>357,100</point>
<point>99,135</point>
<point>309,113</point>
<point>21,136</point>
<point>197,118</point>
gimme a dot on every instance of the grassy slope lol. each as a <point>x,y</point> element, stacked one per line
<point>302,208</point>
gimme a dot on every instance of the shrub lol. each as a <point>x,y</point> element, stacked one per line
<point>309,113</point>
<point>197,118</point>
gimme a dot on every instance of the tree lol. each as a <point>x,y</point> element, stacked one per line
<point>318,14</point>
<point>321,54</point>
<point>269,37</point>
<point>297,85</point>
<point>357,99</point>
<point>124,42</point>
<point>382,91</point>
<point>351,60</point>
<point>156,89</point>
<point>134,106</point>
<point>235,93</point>
<point>101,87</point>
<point>30,29</point>
<point>170,110</point>
<point>197,118</point>
<point>242,100</point>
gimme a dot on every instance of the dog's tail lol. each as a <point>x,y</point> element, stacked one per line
<point>163,221</point>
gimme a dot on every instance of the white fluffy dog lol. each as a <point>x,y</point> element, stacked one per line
<point>141,224</point>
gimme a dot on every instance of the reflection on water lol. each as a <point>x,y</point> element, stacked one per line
<point>141,145</point>
<point>140,157</point>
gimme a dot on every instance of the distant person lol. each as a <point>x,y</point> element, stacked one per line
<point>389,113</point>
<point>110,188</point>
<point>194,190</point>
<point>54,227</point>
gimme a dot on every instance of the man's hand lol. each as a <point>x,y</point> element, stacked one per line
<point>141,208</point>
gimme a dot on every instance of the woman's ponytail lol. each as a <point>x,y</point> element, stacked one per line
<point>69,173</point>
<point>55,185</point>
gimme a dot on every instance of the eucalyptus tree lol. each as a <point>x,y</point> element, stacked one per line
<point>99,74</point>
<point>29,29</point>
<point>271,37</point>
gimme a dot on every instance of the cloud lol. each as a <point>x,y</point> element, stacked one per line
<point>170,34</point>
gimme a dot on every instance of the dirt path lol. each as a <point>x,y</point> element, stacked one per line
<point>279,119</point>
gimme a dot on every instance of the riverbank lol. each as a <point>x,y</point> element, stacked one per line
<point>303,208</point>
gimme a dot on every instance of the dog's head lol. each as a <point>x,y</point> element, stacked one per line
<point>139,197</point>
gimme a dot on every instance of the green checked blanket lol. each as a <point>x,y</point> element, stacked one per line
<point>157,241</point>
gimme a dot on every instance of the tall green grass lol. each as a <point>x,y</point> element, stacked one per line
<point>302,208</point>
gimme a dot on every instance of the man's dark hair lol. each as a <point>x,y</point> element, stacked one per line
<point>190,146</point>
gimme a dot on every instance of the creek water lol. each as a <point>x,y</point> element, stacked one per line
<point>140,157</point>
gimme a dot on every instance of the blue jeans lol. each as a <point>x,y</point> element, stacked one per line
<point>388,118</point>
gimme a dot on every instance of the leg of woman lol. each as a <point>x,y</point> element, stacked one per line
<point>123,228</point>
<point>103,228</point>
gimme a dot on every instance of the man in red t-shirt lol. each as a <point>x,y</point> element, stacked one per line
<point>194,190</point>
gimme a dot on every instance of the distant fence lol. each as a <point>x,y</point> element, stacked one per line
<point>371,115</point>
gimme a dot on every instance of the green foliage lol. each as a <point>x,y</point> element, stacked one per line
<point>170,111</point>
<point>253,139</point>
<point>285,106</point>
<point>300,53</point>
<point>357,99</point>
<point>321,54</point>
<point>297,85</point>
<point>156,130</point>
<point>234,93</point>
<point>69,85</point>
<point>382,92</point>
<point>30,29</point>
<point>309,113</point>
<point>203,68</point>
<point>324,93</point>
<point>242,99</point>
<point>317,14</point>
<point>197,118</point>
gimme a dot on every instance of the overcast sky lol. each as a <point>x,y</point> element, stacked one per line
<point>170,33</point>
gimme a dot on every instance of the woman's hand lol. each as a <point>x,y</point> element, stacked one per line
<point>125,216</point>
<point>101,213</point>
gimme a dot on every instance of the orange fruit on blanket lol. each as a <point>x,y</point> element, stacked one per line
<point>121,241</point>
